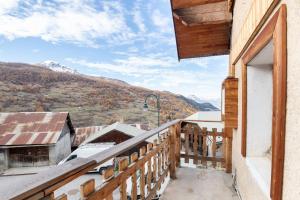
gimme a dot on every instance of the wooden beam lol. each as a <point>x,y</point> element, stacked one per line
<point>214,13</point>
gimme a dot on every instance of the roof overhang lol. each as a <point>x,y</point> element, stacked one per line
<point>202,27</point>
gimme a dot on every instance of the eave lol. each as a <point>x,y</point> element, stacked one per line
<point>202,27</point>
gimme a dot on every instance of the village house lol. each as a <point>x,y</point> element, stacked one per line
<point>82,133</point>
<point>260,114</point>
<point>34,139</point>
<point>117,133</point>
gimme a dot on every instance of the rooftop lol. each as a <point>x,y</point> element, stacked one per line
<point>32,128</point>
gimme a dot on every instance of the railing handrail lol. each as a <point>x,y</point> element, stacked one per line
<point>43,183</point>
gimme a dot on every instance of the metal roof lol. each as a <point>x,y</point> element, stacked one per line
<point>124,128</point>
<point>84,132</point>
<point>32,128</point>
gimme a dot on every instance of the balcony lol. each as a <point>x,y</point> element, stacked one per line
<point>184,161</point>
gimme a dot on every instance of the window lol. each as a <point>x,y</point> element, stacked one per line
<point>258,80</point>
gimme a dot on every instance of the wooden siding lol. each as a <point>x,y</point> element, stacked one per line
<point>257,15</point>
<point>29,156</point>
<point>230,86</point>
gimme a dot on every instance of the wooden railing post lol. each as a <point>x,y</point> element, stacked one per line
<point>195,144</point>
<point>214,147</point>
<point>133,158</point>
<point>108,175</point>
<point>123,164</point>
<point>172,156</point>
<point>142,178</point>
<point>87,188</point>
<point>228,154</point>
<point>178,144</point>
<point>149,170</point>
<point>204,146</point>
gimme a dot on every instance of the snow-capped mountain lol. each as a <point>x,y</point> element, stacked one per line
<point>55,66</point>
<point>214,102</point>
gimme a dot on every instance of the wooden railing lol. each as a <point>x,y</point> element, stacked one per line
<point>148,170</point>
<point>202,145</point>
<point>43,184</point>
<point>139,176</point>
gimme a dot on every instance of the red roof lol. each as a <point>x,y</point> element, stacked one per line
<point>32,128</point>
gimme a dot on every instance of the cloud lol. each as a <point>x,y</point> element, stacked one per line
<point>131,66</point>
<point>137,16</point>
<point>162,22</point>
<point>74,21</point>
<point>157,71</point>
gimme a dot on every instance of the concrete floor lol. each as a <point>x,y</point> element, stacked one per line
<point>200,184</point>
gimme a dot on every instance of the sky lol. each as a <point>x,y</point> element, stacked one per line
<point>130,40</point>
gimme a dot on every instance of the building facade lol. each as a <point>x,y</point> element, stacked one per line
<point>34,139</point>
<point>261,94</point>
<point>265,143</point>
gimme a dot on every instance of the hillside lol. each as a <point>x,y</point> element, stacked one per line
<point>90,100</point>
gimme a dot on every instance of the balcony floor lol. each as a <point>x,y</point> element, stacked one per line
<point>196,184</point>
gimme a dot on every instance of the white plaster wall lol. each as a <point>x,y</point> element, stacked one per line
<point>259,107</point>
<point>291,186</point>
<point>246,184</point>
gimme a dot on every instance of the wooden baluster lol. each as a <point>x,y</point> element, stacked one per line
<point>149,170</point>
<point>142,177</point>
<point>178,144</point>
<point>162,150</point>
<point>195,144</point>
<point>62,197</point>
<point>155,161</point>
<point>204,146</point>
<point>108,175</point>
<point>223,148</point>
<point>87,188</point>
<point>123,164</point>
<point>186,143</point>
<point>159,158</point>
<point>172,152</point>
<point>133,159</point>
<point>214,147</point>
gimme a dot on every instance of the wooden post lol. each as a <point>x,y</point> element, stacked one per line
<point>195,144</point>
<point>149,171</point>
<point>172,152</point>
<point>123,164</point>
<point>186,143</point>
<point>178,144</point>
<point>107,175</point>
<point>87,188</point>
<point>228,158</point>
<point>214,147</point>
<point>133,159</point>
<point>204,146</point>
<point>162,150</point>
<point>142,178</point>
<point>155,161</point>
<point>223,148</point>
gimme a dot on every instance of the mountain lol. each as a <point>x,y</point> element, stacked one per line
<point>216,103</point>
<point>55,66</point>
<point>90,100</point>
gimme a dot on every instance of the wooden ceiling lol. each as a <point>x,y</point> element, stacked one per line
<point>202,27</point>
